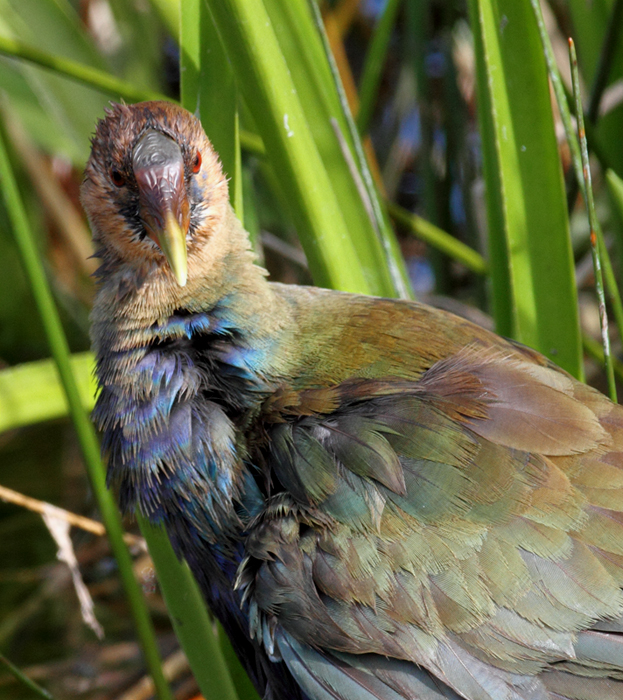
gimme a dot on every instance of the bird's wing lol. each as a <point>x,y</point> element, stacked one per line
<point>469,523</point>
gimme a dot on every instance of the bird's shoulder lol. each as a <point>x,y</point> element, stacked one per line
<point>338,335</point>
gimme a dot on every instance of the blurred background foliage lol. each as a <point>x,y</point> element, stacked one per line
<point>427,149</point>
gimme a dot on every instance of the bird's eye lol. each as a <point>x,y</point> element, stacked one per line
<point>117,177</point>
<point>197,162</point>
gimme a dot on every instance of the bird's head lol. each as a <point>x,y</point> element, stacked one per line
<point>153,189</point>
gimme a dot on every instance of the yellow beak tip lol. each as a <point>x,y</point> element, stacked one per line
<point>173,244</point>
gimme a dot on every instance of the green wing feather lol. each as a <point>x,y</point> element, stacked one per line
<point>468,521</point>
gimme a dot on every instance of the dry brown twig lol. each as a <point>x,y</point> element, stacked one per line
<point>44,508</point>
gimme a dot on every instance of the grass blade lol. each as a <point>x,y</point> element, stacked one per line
<point>209,91</point>
<point>266,83</point>
<point>24,680</point>
<point>440,239</point>
<point>93,77</point>
<point>532,270</point>
<point>606,57</point>
<point>591,30</point>
<point>189,616</point>
<point>300,37</point>
<point>615,185</point>
<point>592,216</point>
<point>373,66</point>
<point>378,216</point>
<point>576,159</point>
<point>31,392</point>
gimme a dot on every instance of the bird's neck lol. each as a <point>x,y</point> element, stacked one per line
<point>140,303</point>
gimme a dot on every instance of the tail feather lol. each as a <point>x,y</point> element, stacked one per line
<point>613,625</point>
<point>363,677</point>
<point>565,686</point>
<point>599,654</point>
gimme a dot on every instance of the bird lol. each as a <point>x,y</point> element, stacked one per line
<point>378,499</point>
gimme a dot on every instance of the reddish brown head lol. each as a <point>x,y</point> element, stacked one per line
<point>153,186</point>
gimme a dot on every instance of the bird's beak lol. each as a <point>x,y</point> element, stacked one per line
<point>159,171</point>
